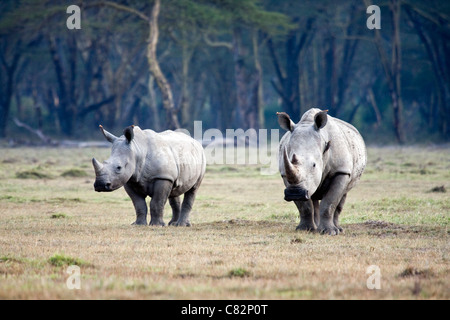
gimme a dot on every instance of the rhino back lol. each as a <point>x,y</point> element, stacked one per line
<point>176,157</point>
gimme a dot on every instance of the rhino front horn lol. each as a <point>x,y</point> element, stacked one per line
<point>97,166</point>
<point>291,170</point>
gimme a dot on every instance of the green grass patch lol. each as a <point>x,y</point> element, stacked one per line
<point>33,174</point>
<point>239,272</point>
<point>60,260</point>
<point>74,173</point>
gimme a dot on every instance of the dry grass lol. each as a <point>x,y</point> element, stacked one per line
<point>242,245</point>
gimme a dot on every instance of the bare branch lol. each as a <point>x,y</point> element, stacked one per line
<point>37,132</point>
<point>211,43</point>
<point>119,7</point>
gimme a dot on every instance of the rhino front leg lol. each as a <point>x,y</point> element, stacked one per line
<point>316,212</point>
<point>330,202</point>
<point>306,209</point>
<point>175,203</point>
<point>161,192</point>
<point>139,206</point>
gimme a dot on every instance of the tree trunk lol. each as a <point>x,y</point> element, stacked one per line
<point>6,92</point>
<point>161,81</point>
<point>65,110</point>
<point>259,95</point>
<point>247,83</point>
<point>396,93</point>
<point>287,84</point>
<point>435,47</point>
<point>392,69</point>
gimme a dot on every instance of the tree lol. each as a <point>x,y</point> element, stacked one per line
<point>392,68</point>
<point>434,33</point>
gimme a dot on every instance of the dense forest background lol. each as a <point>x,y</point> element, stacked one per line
<point>162,64</point>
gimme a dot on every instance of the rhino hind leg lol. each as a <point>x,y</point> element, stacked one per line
<point>186,207</point>
<point>307,215</point>
<point>162,189</point>
<point>338,212</point>
<point>175,204</point>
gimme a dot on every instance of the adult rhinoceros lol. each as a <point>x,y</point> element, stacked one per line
<point>320,159</point>
<point>159,165</point>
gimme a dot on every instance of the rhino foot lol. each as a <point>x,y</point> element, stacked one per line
<point>182,224</point>
<point>139,223</point>
<point>157,223</point>
<point>306,227</point>
<point>331,230</point>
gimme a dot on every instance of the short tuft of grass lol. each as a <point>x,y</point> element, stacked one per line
<point>61,260</point>
<point>58,216</point>
<point>414,272</point>
<point>239,272</point>
<point>33,174</point>
<point>74,173</point>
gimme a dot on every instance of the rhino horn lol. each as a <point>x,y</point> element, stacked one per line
<point>109,136</point>
<point>291,170</point>
<point>97,166</point>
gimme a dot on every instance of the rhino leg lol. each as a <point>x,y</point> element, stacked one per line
<point>186,208</point>
<point>338,212</point>
<point>175,203</point>
<point>161,192</point>
<point>316,212</point>
<point>140,206</point>
<point>306,209</point>
<point>330,202</point>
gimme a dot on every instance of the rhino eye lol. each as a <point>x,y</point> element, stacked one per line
<point>314,165</point>
<point>119,168</point>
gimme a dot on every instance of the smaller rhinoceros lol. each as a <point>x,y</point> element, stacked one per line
<point>320,159</point>
<point>162,166</point>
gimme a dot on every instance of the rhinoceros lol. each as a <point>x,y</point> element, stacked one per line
<point>320,159</point>
<point>162,166</point>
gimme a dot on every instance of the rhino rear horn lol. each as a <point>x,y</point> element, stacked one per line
<point>109,136</point>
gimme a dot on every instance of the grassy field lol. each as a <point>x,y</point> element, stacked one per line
<point>242,243</point>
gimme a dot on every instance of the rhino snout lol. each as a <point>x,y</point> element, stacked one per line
<point>296,194</point>
<point>100,186</point>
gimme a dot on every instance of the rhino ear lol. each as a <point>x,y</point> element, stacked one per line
<point>285,121</point>
<point>128,133</point>
<point>320,119</point>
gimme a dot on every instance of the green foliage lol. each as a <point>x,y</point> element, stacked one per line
<point>197,52</point>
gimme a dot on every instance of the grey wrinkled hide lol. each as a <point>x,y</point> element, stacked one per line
<point>320,159</point>
<point>162,166</point>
